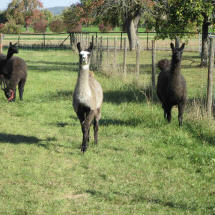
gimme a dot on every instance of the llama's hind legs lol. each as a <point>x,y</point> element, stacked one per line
<point>164,112</point>
<point>167,113</point>
<point>96,125</point>
<point>21,89</point>
<point>181,107</point>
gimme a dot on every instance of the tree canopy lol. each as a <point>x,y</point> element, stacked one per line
<point>22,11</point>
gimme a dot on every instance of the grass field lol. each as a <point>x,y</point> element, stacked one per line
<point>142,164</point>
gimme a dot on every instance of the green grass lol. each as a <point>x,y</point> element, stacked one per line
<point>142,164</point>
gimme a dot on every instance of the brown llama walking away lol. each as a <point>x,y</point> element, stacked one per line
<point>87,97</point>
<point>171,85</point>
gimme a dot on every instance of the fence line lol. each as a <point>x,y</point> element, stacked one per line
<point>111,52</point>
<point>67,40</point>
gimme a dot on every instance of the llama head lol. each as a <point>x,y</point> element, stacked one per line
<point>177,52</point>
<point>12,49</point>
<point>84,55</point>
<point>9,94</point>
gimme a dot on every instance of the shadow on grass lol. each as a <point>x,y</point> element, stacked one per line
<point>61,95</point>
<point>49,68</point>
<point>138,199</point>
<point>46,66</point>
<point>200,133</point>
<point>130,94</point>
<point>130,122</point>
<point>170,204</point>
<point>20,139</point>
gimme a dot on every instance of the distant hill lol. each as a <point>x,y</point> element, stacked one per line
<point>56,10</point>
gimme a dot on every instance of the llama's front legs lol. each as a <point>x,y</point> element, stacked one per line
<point>181,107</point>
<point>86,130</point>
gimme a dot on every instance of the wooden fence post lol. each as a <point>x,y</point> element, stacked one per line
<point>92,65</point>
<point>210,78</point>
<point>153,64</point>
<point>19,40</point>
<point>44,39</point>
<point>138,59</point>
<point>107,50</point>
<point>100,54</point>
<point>124,58</point>
<point>114,52</point>
<point>121,42</point>
<point>1,42</point>
<point>147,41</point>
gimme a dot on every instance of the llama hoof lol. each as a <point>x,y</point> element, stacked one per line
<point>83,148</point>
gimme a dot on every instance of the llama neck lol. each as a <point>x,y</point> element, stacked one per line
<point>9,55</point>
<point>175,67</point>
<point>83,75</point>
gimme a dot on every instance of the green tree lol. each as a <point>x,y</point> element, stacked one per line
<point>22,10</point>
<point>184,17</point>
<point>126,13</point>
<point>72,17</point>
<point>3,18</point>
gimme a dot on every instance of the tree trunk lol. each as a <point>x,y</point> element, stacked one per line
<point>131,25</point>
<point>204,54</point>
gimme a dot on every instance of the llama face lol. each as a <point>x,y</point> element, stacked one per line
<point>9,94</point>
<point>13,48</point>
<point>84,57</point>
<point>177,52</point>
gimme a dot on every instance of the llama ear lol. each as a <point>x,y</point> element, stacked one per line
<point>172,46</point>
<point>10,44</point>
<point>15,44</point>
<point>79,47</point>
<point>182,46</point>
<point>90,47</point>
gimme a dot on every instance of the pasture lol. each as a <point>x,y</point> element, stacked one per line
<point>141,165</point>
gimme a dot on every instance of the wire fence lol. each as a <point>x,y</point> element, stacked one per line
<point>109,40</point>
<point>111,55</point>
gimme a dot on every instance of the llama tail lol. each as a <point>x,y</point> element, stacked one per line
<point>164,65</point>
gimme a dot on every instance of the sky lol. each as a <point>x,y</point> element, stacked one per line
<point>46,3</point>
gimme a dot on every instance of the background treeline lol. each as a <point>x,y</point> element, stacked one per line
<point>164,17</point>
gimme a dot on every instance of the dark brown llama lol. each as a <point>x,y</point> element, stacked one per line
<point>13,72</point>
<point>87,97</point>
<point>171,85</point>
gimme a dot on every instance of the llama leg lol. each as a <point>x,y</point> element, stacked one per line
<point>86,130</point>
<point>168,112</point>
<point>96,125</point>
<point>96,128</point>
<point>181,107</point>
<point>21,89</point>
<point>85,116</point>
<point>164,111</point>
<point>14,98</point>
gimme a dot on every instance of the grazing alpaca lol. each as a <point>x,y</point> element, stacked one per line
<point>171,85</point>
<point>13,71</point>
<point>87,97</point>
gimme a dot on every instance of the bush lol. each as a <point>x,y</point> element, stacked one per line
<point>1,27</point>
<point>57,26</point>
<point>40,26</point>
<point>11,28</point>
<point>74,28</point>
<point>105,27</point>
